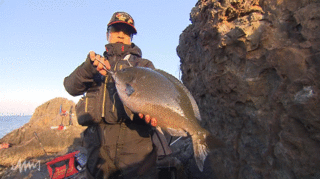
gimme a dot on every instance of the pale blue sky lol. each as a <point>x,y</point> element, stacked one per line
<point>43,41</point>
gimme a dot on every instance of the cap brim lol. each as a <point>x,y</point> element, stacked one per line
<point>122,22</point>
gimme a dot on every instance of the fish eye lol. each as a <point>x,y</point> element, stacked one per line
<point>130,78</point>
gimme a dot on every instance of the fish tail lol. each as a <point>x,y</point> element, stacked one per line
<point>202,145</point>
<point>200,150</point>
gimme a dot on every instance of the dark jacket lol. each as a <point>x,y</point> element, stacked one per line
<point>87,79</point>
<point>114,141</point>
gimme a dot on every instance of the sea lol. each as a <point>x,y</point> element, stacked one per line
<point>9,123</point>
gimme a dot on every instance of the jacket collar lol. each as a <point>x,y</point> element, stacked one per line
<point>118,49</point>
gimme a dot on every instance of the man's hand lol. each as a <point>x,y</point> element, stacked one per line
<point>148,119</point>
<point>96,63</point>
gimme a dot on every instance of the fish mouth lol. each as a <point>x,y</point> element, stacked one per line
<point>117,85</point>
<point>114,76</point>
<point>115,79</point>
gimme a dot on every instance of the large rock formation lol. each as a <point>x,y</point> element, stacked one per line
<point>254,69</point>
<point>43,146</point>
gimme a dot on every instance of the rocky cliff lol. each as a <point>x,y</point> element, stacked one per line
<point>43,146</point>
<point>254,68</point>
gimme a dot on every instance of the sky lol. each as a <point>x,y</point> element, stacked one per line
<point>43,41</point>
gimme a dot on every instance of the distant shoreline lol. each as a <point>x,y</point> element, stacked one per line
<point>15,115</point>
<point>10,118</point>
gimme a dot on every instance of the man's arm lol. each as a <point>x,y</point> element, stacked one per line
<point>82,77</point>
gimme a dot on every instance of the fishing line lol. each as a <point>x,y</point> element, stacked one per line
<point>176,140</point>
<point>105,67</point>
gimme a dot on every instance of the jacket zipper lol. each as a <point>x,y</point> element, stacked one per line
<point>105,92</point>
<point>104,95</point>
<point>86,107</point>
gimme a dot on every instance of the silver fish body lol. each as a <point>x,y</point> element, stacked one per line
<point>165,98</point>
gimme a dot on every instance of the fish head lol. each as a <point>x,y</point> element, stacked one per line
<point>124,80</point>
<point>124,75</point>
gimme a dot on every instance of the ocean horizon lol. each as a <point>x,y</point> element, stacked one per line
<point>9,123</point>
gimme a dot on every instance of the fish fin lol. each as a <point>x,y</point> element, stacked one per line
<point>129,112</point>
<point>129,89</point>
<point>178,84</point>
<point>175,132</point>
<point>202,145</point>
<point>159,129</point>
<point>200,150</point>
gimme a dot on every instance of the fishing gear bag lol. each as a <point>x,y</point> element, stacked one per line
<point>67,166</point>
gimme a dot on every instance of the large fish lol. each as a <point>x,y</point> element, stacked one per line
<point>165,98</point>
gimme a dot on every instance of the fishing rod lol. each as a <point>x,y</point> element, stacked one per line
<point>105,67</point>
<point>175,141</point>
<point>40,142</point>
<point>109,71</point>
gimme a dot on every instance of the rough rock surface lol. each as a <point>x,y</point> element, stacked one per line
<point>254,68</point>
<point>26,147</point>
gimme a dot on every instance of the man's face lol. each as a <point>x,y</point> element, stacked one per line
<point>119,33</point>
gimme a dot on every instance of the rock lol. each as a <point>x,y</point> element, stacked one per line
<point>253,68</point>
<point>48,113</point>
<point>45,116</point>
<point>36,141</point>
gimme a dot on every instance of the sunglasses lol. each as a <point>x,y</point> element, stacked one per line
<point>121,27</point>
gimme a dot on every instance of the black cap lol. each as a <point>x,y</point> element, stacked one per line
<point>124,18</point>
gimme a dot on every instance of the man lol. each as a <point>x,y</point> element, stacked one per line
<point>119,143</point>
